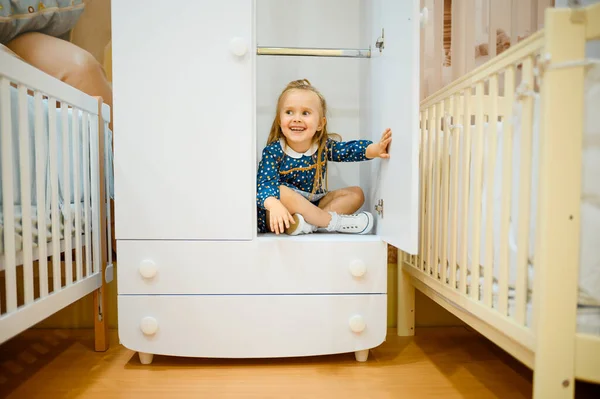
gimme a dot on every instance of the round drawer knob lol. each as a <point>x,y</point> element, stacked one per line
<point>149,325</point>
<point>238,46</point>
<point>148,269</point>
<point>357,323</point>
<point>358,268</point>
<point>424,17</point>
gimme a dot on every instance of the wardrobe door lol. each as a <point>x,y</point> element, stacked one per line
<point>394,86</point>
<point>184,119</point>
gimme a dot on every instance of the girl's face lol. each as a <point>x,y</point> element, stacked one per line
<point>300,118</point>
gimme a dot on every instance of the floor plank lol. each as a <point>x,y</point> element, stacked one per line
<point>436,363</point>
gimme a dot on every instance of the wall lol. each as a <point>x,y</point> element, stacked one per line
<point>280,23</point>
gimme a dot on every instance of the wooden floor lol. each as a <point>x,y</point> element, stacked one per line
<point>436,363</point>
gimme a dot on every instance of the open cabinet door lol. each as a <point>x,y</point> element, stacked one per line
<point>394,93</point>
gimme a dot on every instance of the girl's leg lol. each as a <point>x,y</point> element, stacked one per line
<point>344,201</point>
<point>342,205</point>
<point>296,203</point>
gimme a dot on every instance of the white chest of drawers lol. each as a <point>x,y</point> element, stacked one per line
<point>194,277</point>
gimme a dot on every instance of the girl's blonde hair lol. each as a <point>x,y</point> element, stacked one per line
<point>320,137</point>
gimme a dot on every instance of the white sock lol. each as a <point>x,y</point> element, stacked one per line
<point>333,222</point>
<point>312,227</point>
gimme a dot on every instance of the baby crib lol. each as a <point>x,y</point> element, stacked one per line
<point>56,177</point>
<point>509,192</point>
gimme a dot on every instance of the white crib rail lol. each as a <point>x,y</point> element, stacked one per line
<point>501,160</point>
<point>66,156</point>
<point>460,138</point>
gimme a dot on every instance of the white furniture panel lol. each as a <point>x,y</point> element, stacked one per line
<point>394,85</point>
<point>319,263</point>
<point>252,326</point>
<point>184,112</point>
<point>194,279</point>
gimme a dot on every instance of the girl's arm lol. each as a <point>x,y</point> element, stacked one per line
<point>380,149</point>
<point>359,150</point>
<point>267,180</point>
<point>268,193</point>
<point>347,151</point>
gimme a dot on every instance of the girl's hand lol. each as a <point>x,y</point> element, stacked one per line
<point>279,217</point>
<point>380,149</point>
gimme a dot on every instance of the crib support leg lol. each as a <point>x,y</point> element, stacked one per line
<point>361,356</point>
<point>558,228</point>
<point>146,358</point>
<point>406,302</point>
<point>100,324</point>
<point>100,295</point>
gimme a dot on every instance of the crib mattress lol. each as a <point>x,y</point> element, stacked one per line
<point>588,308</point>
<point>588,317</point>
<point>47,225</point>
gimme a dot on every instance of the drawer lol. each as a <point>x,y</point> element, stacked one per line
<point>250,326</point>
<point>287,265</point>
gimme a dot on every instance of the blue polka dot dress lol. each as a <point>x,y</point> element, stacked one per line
<point>281,165</point>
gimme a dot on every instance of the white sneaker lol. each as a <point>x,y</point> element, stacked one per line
<point>300,226</point>
<point>360,223</point>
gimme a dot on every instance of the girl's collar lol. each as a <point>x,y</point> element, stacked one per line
<point>290,152</point>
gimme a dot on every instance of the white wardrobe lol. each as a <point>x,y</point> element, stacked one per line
<point>194,97</point>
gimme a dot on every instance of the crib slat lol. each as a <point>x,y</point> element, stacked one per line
<point>469,42</point>
<point>493,16</point>
<point>482,19</point>
<point>423,60</point>
<point>439,188</point>
<point>429,171</point>
<point>456,133</point>
<point>95,185</point>
<point>514,21</point>
<point>437,164</point>
<point>438,44</point>
<point>507,135</point>
<point>524,19</point>
<point>466,154</point>
<point>67,194</point>
<point>541,10</point>
<point>490,160</point>
<point>458,39</point>
<point>524,195</point>
<point>55,215</point>
<point>107,191</point>
<point>25,195</point>
<point>477,188</point>
<point>445,183</point>
<point>430,189</point>
<point>8,196</point>
<point>40,185</point>
<point>533,16</point>
<point>77,194</point>
<point>85,134</point>
<point>423,169</point>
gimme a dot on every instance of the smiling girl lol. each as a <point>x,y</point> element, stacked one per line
<point>291,194</point>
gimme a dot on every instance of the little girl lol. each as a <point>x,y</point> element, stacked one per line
<point>291,196</point>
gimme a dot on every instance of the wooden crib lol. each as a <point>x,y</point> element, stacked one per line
<point>54,208</point>
<point>506,196</point>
